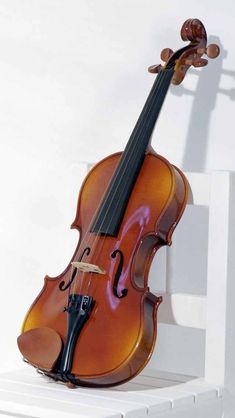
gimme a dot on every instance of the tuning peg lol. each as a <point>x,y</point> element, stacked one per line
<point>155,68</point>
<point>166,54</point>
<point>212,51</point>
<point>201,62</point>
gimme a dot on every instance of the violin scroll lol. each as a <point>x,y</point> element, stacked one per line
<point>194,31</point>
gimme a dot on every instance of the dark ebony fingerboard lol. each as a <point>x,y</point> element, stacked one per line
<point>110,213</point>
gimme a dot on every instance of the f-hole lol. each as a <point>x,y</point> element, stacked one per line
<point>118,274</point>
<point>62,285</point>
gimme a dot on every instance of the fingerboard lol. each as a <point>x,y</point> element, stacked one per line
<point>111,211</point>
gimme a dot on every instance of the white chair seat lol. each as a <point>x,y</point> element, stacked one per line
<point>24,393</point>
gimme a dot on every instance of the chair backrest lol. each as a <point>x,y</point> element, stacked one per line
<point>196,275</point>
<point>197,278</point>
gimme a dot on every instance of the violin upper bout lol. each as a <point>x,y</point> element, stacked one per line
<point>92,191</point>
<point>167,223</point>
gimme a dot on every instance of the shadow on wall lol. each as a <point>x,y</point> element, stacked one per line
<point>195,154</point>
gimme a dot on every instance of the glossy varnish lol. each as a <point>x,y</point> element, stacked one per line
<point>118,339</point>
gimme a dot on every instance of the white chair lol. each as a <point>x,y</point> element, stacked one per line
<point>157,392</point>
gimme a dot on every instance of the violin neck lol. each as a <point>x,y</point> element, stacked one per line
<point>110,213</point>
<point>141,135</point>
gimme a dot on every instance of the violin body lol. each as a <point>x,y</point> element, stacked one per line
<point>96,323</point>
<point>117,341</point>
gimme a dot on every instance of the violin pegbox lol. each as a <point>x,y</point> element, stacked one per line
<point>194,31</point>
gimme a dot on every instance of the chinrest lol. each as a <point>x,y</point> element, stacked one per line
<point>40,347</point>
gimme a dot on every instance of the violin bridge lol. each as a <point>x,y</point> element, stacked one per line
<point>87,267</point>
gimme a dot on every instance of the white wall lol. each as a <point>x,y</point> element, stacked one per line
<point>73,79</point>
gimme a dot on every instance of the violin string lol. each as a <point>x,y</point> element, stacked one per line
<point>157,86</point>
<point>137,144</point>
<point>161,92</point>
<point>84,238</point>
<point>104,194</point>
<point>134,149</point>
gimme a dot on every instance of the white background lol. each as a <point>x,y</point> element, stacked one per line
<point>73,79</point>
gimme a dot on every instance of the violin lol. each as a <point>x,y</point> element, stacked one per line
<point>96,323</point>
